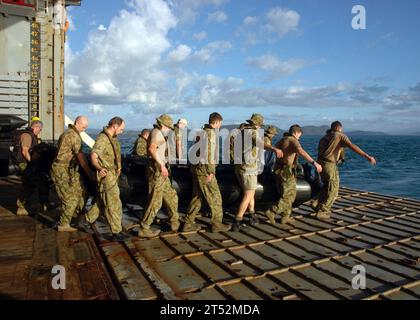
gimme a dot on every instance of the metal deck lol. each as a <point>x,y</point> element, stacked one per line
<point>308,259</point>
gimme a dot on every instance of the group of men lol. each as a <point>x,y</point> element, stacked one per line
<point>154,144</point>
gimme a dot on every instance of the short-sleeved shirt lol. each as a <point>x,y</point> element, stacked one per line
<point>290,146</point>
<point>108,150</point>
<point>69,145</point>
<point>141,147</point>
<point>157,137</point>
<point>26,140</point>
<point>330,147</point>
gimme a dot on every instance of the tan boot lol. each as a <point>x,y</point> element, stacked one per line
<point>323,215</point>
<point>22,212</point>
<point>148,233</point>
<point>271,216</point>
<point>190,227</point>
<point>315,204</point>
<point>66,229</point>
<point>220,227</point>
<point>286,219</point>
<point>175,226</point>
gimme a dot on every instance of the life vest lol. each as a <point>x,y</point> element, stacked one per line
<point>17,156</point>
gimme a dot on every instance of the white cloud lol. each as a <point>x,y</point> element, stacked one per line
<point>101,27</point>
<point>96,109</point>
<point>200,36</point>
<point>282,21</point>
<point>179,54</point>
<point>250,21</point>
<point>276,67</point>
<point>187,11</point>
<point>217,17</point>
<point>119,65</point>
<point>209,52</point>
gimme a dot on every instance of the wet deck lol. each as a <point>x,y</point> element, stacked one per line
<point>309,259</point>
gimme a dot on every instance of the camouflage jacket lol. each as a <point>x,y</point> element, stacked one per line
<point>140,147</point>
<point>208,162</point>
<point>108,150</point>
<point>69,145</point>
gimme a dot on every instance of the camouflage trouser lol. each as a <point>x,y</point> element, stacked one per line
<point>160,191</point>
<point>71,191</point>
<point>286,184</point>
<point>32,180</point>
<point>209,192</point>
<point>331,179</point>
<point>108,202</point>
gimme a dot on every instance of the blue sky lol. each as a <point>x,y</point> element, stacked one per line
<point>293,61</point>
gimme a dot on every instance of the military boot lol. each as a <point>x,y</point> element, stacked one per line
<point>175,226</point>
<point>315,204</point>
<point>148,233</point>
<point>86,226</point>
<point>236,225</point>
<point>219,227</point>
<point>286,219</point>
<point>253,220</point>
<point>66,229</point>
<point>271,216</point>
<point>323,215</point>
<point>119,237</point>
<point>190,227</point>
<point>22,212</point>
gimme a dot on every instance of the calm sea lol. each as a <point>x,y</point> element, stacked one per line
<point>397,172</point>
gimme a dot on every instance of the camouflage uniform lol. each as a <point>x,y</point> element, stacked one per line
<point>285,171</point>
<point>330,152</point>
<point>108,150</point>
<point>247,171</point>
<point>140,147</point>
<point>203,191</point>
<point>161,190</point>
<point>66,177</point>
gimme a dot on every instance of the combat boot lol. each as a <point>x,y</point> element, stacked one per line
<point>22,212</point>
<point>219,227</point>
<point>66,229</point>
<point>86,226</point>
<point>315,204</point>
<point>271,216</point>
<point>286,219</point>
<point>323,215</point>
<point>237,225</point>
<point>148,233</point>
<point>175,226</point>
<point>119,237</point>
<point>190,227</point>
<point>253,220</point>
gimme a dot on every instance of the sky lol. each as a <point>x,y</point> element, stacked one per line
<point>295,61</point>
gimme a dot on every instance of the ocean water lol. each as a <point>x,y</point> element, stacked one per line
<point>397,172</point>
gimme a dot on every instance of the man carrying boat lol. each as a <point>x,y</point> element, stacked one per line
<point>158,176</point>
<point>330,152</point>
<point>140,146</point>
<point>205,186</point>
<point>65,173</point>
<point>285,170</point>
<point>106,158</point>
